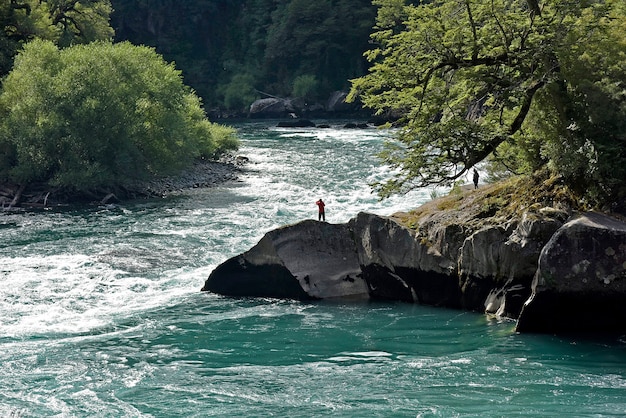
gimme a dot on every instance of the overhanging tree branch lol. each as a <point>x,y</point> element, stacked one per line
<point>503,52</point>
<point>515,126</point>
<point>473,26</point>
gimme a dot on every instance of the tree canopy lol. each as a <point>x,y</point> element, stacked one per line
<point>526,84</point>
<point>230,50</point>
<point>65,22</point>
<point>99,114</point>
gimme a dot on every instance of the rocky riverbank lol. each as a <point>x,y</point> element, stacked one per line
<point>510,250</point>
<point>200,174</point>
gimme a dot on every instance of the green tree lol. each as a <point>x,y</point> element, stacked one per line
<point>98,115</point>
<point>239,93</point>
<point>305,86</point>
<point>80,21</point>
<point>65,22</point>
<point>475,79</point>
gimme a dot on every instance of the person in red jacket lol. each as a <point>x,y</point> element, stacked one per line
<point>321,214</point>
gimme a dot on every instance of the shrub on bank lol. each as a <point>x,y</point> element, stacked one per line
<point>98,115</point>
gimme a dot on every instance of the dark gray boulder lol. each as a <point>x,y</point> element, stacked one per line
<point>272,107</point>
<point>398,265</point>
<point>580,284</point>
<point>505,255</point>
<point>308,260</point>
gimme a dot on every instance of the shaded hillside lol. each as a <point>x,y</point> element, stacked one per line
<point>233,51</point>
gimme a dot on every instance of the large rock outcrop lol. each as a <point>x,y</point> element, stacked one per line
<point>309,260</point>
<point>561,274</point>
<point>580,284</point>
<point>377,257</point>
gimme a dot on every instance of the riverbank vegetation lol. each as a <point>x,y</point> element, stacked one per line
<point>524,85</point>
<point>96,115</point>
<point>537,195</point>
<point>81,115</point>
<point>99,115</point>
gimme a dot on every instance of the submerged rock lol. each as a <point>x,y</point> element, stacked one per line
<point>296,123</point>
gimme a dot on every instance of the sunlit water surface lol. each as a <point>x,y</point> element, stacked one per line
<point>101,314</point>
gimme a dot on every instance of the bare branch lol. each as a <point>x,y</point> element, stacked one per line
<point>507,41</point>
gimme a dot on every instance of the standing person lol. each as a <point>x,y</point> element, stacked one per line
<point>475,179</point>
<point>321,215</point>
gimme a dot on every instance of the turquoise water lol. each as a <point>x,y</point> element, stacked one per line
<point>101,314</point>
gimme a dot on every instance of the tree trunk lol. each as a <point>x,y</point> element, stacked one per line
<point>18,196</point>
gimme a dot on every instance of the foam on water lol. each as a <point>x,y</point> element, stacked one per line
<point>296,168</point>
<point>101,314</point>
<point>70,272</point>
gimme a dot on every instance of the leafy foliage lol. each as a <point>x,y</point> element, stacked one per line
<point>252,46</point>
<point>305,86</point>
<point>239,92</point>
<point>527,83</point>
<point>65,22</point>
<point>100,114</point>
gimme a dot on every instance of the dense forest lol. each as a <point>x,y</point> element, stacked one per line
<point>522,87</point>
<point>230,52</point>
<point>234,51</point>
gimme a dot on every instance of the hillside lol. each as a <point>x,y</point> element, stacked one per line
<point>235,51</point>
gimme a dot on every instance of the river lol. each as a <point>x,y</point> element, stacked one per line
<point>101,313</point>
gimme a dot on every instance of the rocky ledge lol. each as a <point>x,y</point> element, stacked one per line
<point>199,175</point>
<point>550,268</point>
